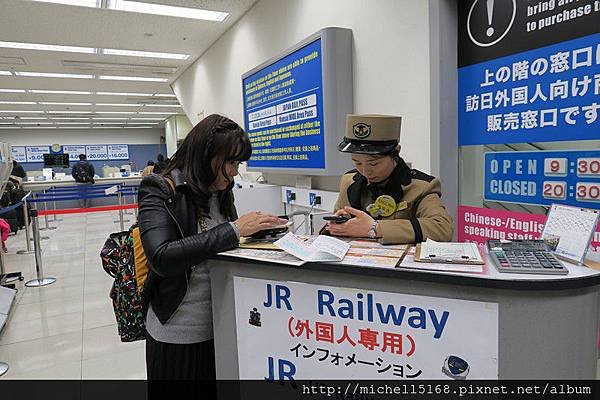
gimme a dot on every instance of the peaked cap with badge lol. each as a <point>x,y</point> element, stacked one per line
<point>407,205</point>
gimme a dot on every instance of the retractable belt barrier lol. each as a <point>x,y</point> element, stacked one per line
<point>10,208</point>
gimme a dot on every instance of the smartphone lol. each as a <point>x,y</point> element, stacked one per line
<point>337,219</point>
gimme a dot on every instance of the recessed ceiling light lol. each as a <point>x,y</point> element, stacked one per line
<point>131,78</point>
<point>123,94</point>
<point>47,47</point>
<point>115,112</point>
<point>111,118</point>
<point>12,90</point>
<point>17,102</point>
<point>163,105</point>
<point>59,103</point>
<point>172,11</point>
<point>119,104</point>
<point>54,75</point>
<point>68,112</point>
<point>5,73</point>
<point>148,54</point>
<point>82,3</point>
<point>21,111</point>
<point>58,91</point>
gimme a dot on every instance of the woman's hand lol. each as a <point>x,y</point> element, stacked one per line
<point>255,221</point>
<point>358,226</point>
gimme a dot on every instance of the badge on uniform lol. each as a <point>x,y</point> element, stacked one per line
<point>384,206</point>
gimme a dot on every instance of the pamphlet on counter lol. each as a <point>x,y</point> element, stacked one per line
<point>323,248</point>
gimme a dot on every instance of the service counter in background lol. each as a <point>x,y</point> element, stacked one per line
<point>38,186</point>
<point>326,321</point>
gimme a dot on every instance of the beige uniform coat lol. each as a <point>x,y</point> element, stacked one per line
<point>424,215</point>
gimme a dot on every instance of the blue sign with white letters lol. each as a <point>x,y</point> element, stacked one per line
<point>543,177</point>
<point>542,95</point>
<point>283,110</point>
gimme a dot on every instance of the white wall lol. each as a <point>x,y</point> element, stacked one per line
<point>390,63</point>
<point>24,137</point>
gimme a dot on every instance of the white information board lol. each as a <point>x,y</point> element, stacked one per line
<point>19,154</point>
<point>36,153</point>
<point>118,152</point>
<point>96,152</point>
<point>74,150</point>
<point>303,331</point>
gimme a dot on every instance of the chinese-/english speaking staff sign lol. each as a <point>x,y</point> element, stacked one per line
<point>302,331</point>
<point>543,177</point>
<point>283,109</point>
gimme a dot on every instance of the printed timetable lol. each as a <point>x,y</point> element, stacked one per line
<point>543,177</point>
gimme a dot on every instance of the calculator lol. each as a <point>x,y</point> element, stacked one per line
<point>525,257</point>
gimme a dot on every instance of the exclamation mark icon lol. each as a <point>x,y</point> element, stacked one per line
<point>490,14</point>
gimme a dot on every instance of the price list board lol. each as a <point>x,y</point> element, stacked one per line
<point>543,177</point>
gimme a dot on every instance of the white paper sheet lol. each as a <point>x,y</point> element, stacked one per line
<point>323,248</point>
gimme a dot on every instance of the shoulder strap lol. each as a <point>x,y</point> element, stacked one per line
<point>171,183</point>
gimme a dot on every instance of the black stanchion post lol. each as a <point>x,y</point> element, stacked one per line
<point>26,220</point>
<point>40,280</point>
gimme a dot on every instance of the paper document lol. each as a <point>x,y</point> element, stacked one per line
<point>274,256</point>
<point>449,251</point>
<point>323,248</point>
<point>409,262</point>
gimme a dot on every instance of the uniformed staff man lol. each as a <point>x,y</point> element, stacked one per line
<point>385,198</point>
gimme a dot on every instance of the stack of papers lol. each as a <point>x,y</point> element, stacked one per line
<point>448,252</point>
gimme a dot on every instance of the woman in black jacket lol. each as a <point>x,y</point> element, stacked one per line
<point>186,215</point>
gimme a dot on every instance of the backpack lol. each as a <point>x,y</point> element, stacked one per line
<point>81,173</point>
<point>123,258</point>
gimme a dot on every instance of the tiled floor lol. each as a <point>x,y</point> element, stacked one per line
<point>67,330</point>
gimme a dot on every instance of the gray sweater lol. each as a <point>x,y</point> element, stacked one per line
<point>192,321</point>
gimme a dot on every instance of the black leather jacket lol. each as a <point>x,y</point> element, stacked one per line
<point>168,225</point>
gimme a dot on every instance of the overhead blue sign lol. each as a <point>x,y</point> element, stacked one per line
<point>543,177</point>
<point>543,95</point>
<point>283,110</point>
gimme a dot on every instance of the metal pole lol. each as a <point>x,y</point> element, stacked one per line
<point>40,280</point>
<point>121,212</point>
<point>46,216</point>
<point>135,210</point>
<point>26,219</point>
<point>43,237</point>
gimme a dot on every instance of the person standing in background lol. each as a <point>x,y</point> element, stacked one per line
<point>83,172</point>
<point>160,164</point>
<point>149,168</point>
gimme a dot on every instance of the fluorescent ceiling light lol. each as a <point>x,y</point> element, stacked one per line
<point>54,75</point>
<point>58,103</point>
<point>12,90</point>
<point>154,113</point>
<point>70,118</point>
<point>58,91</point>
<point>131,78</point>
<point>73,123</point>
<point>47,47</point>
<point>20,111</point>
<point>35,123</point>
<point>82,3</point>
<point>111,118</point>
<point>119,104</point>
<point>68,112</point>
<point>115,112</point>
<point>5,73</point>
<point>17,102</point>
<point>138,127</point>
<point>123,94</point>
<point>40,127</point>
<point>33,117</point>
<point>163,105</point>
<point>165,95</point>
<point>147,119</point>
<point>172,11</point>
<point>7,123</point>
<point>148,54</point>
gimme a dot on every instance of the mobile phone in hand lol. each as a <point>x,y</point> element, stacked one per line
<point>337,219</point>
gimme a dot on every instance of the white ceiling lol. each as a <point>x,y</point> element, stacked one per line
<point>57,24</point>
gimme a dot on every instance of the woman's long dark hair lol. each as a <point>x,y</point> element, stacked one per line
<point>215,137</point>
